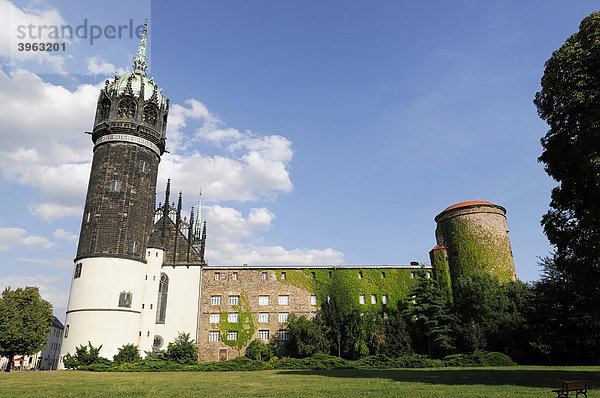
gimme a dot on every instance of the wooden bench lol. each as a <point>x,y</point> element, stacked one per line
<point>575,386</point>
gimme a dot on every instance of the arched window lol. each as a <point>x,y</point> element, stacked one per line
<point>125,299</point>
<point>126,108</point>
<point>161,304</point>
<point>150,114</point>
<point>104,108</point>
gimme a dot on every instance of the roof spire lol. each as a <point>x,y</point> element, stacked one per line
<point>140,61</point>
<point>198,221</point>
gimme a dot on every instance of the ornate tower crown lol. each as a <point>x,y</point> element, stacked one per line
<point>133,105</point>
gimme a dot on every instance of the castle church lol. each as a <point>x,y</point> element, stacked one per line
<point>140,276</point>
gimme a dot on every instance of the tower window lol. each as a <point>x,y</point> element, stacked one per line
<point>143,166</point>
<point>134,246</point>
<point>161,304</point>
<point>115,186</point>
<point>126,108</point>
<point>104,108</point>
<point>77,270</point>
<point>125,299</point>
<point>67,331</point>
<point>150,114</point>
<point>87,217</point>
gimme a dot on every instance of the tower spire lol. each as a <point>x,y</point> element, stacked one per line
<point>140,61</point>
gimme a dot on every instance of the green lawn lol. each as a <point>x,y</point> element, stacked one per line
<point>516,381</point>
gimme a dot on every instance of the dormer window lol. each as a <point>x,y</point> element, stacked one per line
<point>150,114</point>
<point>126,108</point>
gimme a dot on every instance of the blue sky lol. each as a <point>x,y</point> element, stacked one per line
<point>320,132</point>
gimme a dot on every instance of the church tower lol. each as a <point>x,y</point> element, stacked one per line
<point>111,267</point>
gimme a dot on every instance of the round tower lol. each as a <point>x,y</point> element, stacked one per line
<point>105,301</point>
<point>475,235</point>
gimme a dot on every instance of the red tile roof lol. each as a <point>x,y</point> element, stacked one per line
<point>439,247</point>
<point>467,204</point>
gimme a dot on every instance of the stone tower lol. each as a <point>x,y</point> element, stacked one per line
<point>473,236</point>
<point>111,273</point>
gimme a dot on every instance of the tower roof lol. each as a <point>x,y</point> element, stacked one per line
<point>140,61</point>
<point>468,203</point>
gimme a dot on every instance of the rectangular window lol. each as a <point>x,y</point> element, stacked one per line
<point>313,300</point>
<point>263,334</point>
<point>217,276</point>
<point>115,186</point>
<point>233,317</point>
<point>284,299</point>
<point>283,275</point>
<point>283,316</point>
<point>264,276</point>
<point>231,336</point>
<point>428,274</point>
<point>134,246</point>
<point>215,318</point>
<point>77,270</point>
<point>215,300</point>
<point>384,299</point>
<point>125,299</point>
<point>313,315</point>
<point>234,300</point>
<point>235,276</point>
<point>282,335</point>
<point>361,299</point>
<point>263,300</point>
<point>385,315</point>
<point>263,317</point>
<point>359,274</point>
<point>383,274</point>
<point>412,275</point>
<point>373,299</point>
<point>213,335</point>
<point>143,166</point>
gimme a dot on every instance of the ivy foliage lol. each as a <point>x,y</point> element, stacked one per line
<point>245,328</point>
<point>25,320</point>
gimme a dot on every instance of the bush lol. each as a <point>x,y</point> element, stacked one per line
<point>315,362</point>
<point>259,351</point>
<point>127,353</point>
<point>478,358</point>
<point>84,355</point>
<point>378,361</point>
<point>236,364</point>
<point>496,359</point>
<point>416,361</point>
<point>183,350</point>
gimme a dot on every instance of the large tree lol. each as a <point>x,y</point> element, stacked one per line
<point>25,320</point>
<point>569,102</point>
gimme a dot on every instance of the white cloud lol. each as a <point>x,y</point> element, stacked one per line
<point>232,239</point>
<point>51,288</point>
<point>52,211</point>
<point>11,237</point>
<point>55,263</point>
<point>64,235</point>
<point>97,66</point>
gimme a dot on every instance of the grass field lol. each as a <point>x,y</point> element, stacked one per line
<point>516,381</point>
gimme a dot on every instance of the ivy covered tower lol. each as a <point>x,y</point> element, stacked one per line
<point>111,267</point>
<point>473,236</point>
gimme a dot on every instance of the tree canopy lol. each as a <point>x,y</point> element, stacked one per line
<point>25,320</point>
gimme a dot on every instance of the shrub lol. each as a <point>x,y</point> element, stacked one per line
<point>378,361</point>
<point>496,359</point>
<point>127,353</point>
<point>315,362</point>
<point>84,355</point>
<point>183,350</point>
<point>464,360</point>
<point>478,358</point>
<point>259,351</point>
<point>416,361</point>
